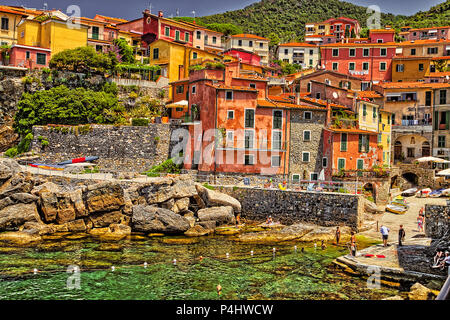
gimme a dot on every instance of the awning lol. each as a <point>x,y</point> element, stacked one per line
<point>432,31</point>
<point>309,26</point>
<point>445,172</point>
<point>447,47</point>
<point>178,104</point>
<point>395,94</point>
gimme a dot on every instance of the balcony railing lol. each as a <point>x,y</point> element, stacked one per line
<point>363,173</point>
<point>419,122</point>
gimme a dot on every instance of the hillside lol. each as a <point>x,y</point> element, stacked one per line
<point>284,20</point>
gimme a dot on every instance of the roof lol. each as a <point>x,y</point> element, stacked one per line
<point>324,103</point>
<point>437,74</point>
<point>319,72</point>
<point>297,44</point>
<point>340,18</point>
<point>353,44</point>
<point>381,31</point>
<point>398,57</point>
<point>368,94</point>
<point>93,20</point>
<point>430,28</point>
<point>118,20</point>
<point>351,130</point>
<point>250,77</point>
<point>7,10</point>
<point>234,88</point>
<point>410,85</point>
<point>418,42</point>
<point>286,105</point>
<point>250,36</point>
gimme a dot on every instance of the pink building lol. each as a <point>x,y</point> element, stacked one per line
<point>29,57</point>
<point>381,35</point>
<point>244,56</point>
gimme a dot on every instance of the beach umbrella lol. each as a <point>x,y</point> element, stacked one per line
<point>182,103</point>
<point>432,159</point>
<point>445,172</point>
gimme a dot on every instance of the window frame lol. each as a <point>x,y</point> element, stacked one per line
<point>228,114</point>
<point>273,119</point>
<point>306,131</point>
<point>303,156</point>
<point>245,118</point>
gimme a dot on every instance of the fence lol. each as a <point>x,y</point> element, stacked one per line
<point>161,83</point>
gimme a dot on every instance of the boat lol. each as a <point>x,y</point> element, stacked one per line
<point>409,192</point>
<point>47,166</point>
<point>78,160</point>
<point>423,193</point>
<point>436,193</point>
<point>446,192</point>
<point>396,208</point>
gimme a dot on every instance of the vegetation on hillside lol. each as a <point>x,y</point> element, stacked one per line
<point>225,28</point>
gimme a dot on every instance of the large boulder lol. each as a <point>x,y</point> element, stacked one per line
<point>163,189</point>
<point>24,197</point>
<point>18,183</point>
<point>8,168</point>
<point>14,216</point>
<point>19,238</point>
<point>56,207</point>
<point>371,207</point>
<point>420,292</point>
<point>214,198</point>
<point>197,231</point>
<point>157,220</point>
<point>103,197</point>
<point>222,215</point>
<point>105,219</point>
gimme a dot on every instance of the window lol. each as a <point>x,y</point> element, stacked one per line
<point>5,23</point>
<point>228,95</point>
<point>295,178</point>
<point>95,32</point>
<point>400,67</point>
<point>383,52</point>
<point>335,52</point>
<point>343,142</point>
<point>277,119</point>
<point>441,141</point>
<point>413,52</point>
<point>276,140</point>
<point>308,87</point>
<point>364,110</point>
<point>352,52</point>
<point>306,135</point>
<point>27,55</point>
<point>363,143</point>
<point>177,35</point>
<point>341,164</point>
<point>335,66</point>
<point>249,118</point>
<point>307,115</point>
<point>324,162</point>
<point>230,137</point>
<point>194,89</point>
<point>41,58</point>
<point>252,85</point>
<point>365,52</point>
<point>428,98</point>
<point>261,45</point>
<point>248,160</point>
<point>305,156</point>
<point>214,40</point>
<point>276,160</point>
<point>382,66</point>
<point>317,95</point>
<point>230,114</point>
<point>313,176</point>
<point>186,36</point>
<point>365,66</point>
<point>180,89</point>
<point>420,66</point>
<point>249,136</point>
<point>250,43</point>
<point>433,50</point>
<point>374,112</point>
<point>442,96</point>
<point>379,40</point>
<point>194,55</point>
<point>155,53</point>
<point>311,52</point>
<point>311,62</point>
<point>351,66</point>
<point>206,38</point>
<point>240,43</point>
<point>360,164</point>
<point>286,51</point>
<point>199,35</point>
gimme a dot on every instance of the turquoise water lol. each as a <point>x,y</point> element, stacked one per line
<point>287,275</point>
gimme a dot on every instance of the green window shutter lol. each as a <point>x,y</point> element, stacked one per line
<point>436,121</point>
<point>367,143</point>
<point>360,164</point>
<point>343,142</point>
<point>341,164</point>
<point>364,110</point>
<point>360,143</point>
<point>447,119</point>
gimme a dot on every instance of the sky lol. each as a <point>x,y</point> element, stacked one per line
<point>131,9</point>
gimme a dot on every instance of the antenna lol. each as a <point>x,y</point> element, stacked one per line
<point>193,12</point>
<point>150,6</point>
<point>178,12</point>
<point>45,6</point>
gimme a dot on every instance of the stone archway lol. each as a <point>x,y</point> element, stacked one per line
<point>395,182</point>
<point>409,147</point>
<point>411,177</point>
<point>370,188</point>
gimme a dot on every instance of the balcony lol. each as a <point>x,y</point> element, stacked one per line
<point>375,172</point>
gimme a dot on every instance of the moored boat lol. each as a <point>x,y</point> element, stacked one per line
<point>396,208</point>
<point>409,192</point>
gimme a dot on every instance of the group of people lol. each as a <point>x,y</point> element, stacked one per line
<point>441,259</point>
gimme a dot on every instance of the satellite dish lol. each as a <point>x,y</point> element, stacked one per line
<point>335,95</point>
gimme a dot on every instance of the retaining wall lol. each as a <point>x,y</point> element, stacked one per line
<point>437,220</point>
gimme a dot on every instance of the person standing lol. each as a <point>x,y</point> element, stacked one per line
<point>353,244</point>
<point>401,236</point>
<point>338,235</point>
<point>420,221</point>
<point>385,234</point>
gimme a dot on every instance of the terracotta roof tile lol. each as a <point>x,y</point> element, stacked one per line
<point>246,35</point>
<point>297,44</point>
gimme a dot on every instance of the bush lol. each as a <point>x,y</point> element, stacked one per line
<point>140,122</point>
<point>11,152</point>
<point>83,59</point>
<point>166,167</point>
<point>61,105</point>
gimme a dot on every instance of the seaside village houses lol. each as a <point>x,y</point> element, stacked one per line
<point>355,106</point>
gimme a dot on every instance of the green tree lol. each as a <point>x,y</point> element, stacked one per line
<point>83,59</point>
<point>125,51</point>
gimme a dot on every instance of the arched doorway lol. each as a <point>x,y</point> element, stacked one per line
<point>398,150</point>
<point>369,191</point>
<point>412,178</point>
<point>426,149</point>
<point>395,182</point>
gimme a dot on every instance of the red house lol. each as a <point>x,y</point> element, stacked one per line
<point>29,57</point>
<point>371,62</point>
<point>244,56</point>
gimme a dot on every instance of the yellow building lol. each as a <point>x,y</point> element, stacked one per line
<point>9,20</point>
<point>175,59</point>
<point>372,118</point>
<point>410,69</point>
<point>52,33</point>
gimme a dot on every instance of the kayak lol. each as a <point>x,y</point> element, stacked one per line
<point>446,192</point>
<point>409,192</point>
<point>436,193</point>
<point>425,193</point>
<point>281,187</point>
<point>395,208</point>
<point>78,160</point>
<point>47,166</point>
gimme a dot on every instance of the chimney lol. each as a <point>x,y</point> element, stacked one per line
<point>328,120</point>
<point>297,98</point>
<point>160,14</point>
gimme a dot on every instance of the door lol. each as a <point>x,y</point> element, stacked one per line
<point>398,150</point>
<point>360,166</point>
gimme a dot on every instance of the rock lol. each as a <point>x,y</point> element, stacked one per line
<point>210,224</point>
<point>394,298</point>
<point>98,231</point>
<point>162,189</point>
<point>76,197</point>
<point>222,215</point>
<point>120,229</point>
<point>19,183</point>
<point>169,204</point>
<point>199,201</point>
<point>24,197</point>
<point>8,167</point>
<point>189,215</point>
<point>181,205</point>
<point>197,231</point>
<point>33,227</point>
<point>214,198</point>
<point>105,219</point>
<point>47,186</point>
<point>12,217</point>
<point>76,225</point>
<point>371,207</point>
<point>102,197</point>
<point>420,292</point>
<point>324,233</point>
<point>128,204</point>
<point>5,202</point>
<point>19,238</point>
<point>157,220</point>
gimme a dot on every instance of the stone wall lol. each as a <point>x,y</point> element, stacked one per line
<point>437,220</point>
<point>120,148</point>
<point>287,207</point>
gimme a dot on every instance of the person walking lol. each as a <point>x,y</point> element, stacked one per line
<point>420,221</point>
<point>385,234</point>
<point>401,236</point>
<point>338,235</point>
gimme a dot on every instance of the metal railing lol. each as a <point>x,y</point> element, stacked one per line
<point>444,294</point>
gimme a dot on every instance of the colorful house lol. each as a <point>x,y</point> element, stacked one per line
<point>337,28</point>
<point>305,54</point>
<point>250,42</point>
<point>245,57</point>
<point>29,57</point>
<point>432,33</point>
<point>9,19</point>
<point>441,123</point>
